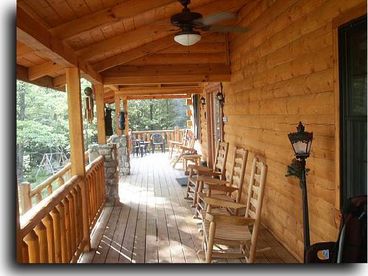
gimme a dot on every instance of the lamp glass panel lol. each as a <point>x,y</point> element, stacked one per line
<point>300,147</point>
<point>187,39</point>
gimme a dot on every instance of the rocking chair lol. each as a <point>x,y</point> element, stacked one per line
<point>238,231</point>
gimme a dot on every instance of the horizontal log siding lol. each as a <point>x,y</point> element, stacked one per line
<point>282,73</point>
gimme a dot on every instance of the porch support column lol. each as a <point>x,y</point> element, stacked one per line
<point>100,109</point>
<point>117,114</point>
<point>77,142</point>
<point>209,118</point>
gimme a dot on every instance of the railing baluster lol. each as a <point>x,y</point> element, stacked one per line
<point>65,201</point>
<point>73,241</point>
<point>55,214</point>
<point>40,230</point>
<point>47,221</point>
<point>25,255</point>
<point>61,209</point>
<point>33,247</point>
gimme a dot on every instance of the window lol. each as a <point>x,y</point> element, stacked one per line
<point>353,108</point>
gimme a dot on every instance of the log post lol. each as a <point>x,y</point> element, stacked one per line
<point>117,114</point>
<point>76,142</point>
<point>209,112</point>
<point>25,197</point>
<point>101,136</point>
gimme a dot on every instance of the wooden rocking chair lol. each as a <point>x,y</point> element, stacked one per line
<point>229,189</point>
<point>238,231</point>
<point>186,149</point>
<point>195,171</point>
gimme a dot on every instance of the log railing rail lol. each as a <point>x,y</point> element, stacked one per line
<point>30,197</point>
<point>52,231</point>
<point>169,134</point>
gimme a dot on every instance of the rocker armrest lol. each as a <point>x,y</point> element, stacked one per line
<point>192,156</point>
<point>187,148</point>
<point>223,203</point>
<point>207,179</point>
<point>198,167</point>
<point>172,142</point>
<point>223,188</point>
<point>237,220</point>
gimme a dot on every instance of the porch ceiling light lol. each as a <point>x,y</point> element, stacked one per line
<point>301,142</point>
<point>187,38</point>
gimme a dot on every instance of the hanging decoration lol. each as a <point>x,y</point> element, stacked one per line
<point>108,122</point>
<point>88,107</point>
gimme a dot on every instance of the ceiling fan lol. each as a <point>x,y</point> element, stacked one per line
<point>190,23</point>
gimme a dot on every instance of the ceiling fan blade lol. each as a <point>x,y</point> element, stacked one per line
<point>227,29</point>
<point>213,18</point>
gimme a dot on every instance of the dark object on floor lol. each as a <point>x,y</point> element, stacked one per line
<point>183,181</point>
<point>351,246</point>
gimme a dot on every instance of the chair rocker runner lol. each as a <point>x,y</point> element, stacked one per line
<point>195,171</point>
<point>229,189</point>
<point>238,231</point>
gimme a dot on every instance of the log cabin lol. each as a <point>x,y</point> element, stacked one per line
<point>298,60</point>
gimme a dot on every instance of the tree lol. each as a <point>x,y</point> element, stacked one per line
<point>42,125</point>
<point>157,114</point>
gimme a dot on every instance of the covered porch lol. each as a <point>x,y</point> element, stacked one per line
<point>252,88</point>
<point>153,223</point>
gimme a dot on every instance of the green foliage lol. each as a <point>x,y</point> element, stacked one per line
<point>45,123</point>
<point>157,114</point>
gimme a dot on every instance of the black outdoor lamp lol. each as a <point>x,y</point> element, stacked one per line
<point>220,97</point>
<point>301,142</point>
<point>203,100</point>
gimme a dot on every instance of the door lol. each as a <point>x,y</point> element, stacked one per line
<point>353,108</point>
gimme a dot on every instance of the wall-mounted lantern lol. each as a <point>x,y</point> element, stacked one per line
<point>220,97</point>
<point>203,100</point>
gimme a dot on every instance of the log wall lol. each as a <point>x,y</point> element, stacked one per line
<point>283,73</point>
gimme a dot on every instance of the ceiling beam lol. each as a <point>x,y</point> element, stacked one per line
<point>161,59</point>
<point>60,81</point>
<point>125,57</point>
<point>167,69</point>
<point>212,77</point>
<point>103,17</point>
<point>44,69</point>
<point>150,32</point>
<point>158,97</point>
<point>36,36</point>
<point>46,81</point>
<point>156,90</point>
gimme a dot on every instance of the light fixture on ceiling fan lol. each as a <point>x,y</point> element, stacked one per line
<point>190,22</point>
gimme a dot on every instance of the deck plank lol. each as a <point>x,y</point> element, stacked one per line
<point>154,224</point>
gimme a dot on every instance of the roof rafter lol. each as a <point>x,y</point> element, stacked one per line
<point>36,36</point>
<point>116,13</point>
<point>159,29</point>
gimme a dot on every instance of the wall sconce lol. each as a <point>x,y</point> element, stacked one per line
<point>220,97</point>
<point>203,100</point>
<point>301,142</point>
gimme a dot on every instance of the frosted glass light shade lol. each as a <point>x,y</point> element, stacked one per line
<point>187,39</point>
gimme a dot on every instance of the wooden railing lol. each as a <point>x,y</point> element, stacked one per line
<point>52,231</point>
<point>95,183</point>
<point>173,134</point>
<point>30,197</point>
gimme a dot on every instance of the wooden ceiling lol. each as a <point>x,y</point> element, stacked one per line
<point>119,43</point>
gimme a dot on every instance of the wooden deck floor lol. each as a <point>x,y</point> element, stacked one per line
<point>154,224</point>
